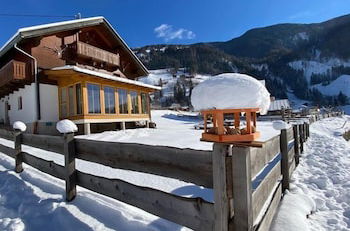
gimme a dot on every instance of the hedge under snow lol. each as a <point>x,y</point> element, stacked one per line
<point>66,126</point>
<point>231,91</point>
<point>18,125</point>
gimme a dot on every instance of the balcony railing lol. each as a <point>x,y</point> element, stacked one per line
<point>98,54</point>
<point>13,70</point>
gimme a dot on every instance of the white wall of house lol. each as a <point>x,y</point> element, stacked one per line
<point>48,104</point>
<point>27,114</point>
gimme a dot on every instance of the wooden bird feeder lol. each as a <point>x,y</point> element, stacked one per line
<point>224,132</point>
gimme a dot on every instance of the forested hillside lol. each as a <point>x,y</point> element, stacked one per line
<point>296,57</point>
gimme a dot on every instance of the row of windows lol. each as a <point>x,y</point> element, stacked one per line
<point>72,100</point>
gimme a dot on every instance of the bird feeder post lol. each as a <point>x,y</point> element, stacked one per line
<point>248,116</point>
<point>237,121</point>
<point>220,123</point>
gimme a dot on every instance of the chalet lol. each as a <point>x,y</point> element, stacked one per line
<point>80,70</point>
<point>279,106</point>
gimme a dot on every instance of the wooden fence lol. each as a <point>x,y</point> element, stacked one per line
<point>248,182</point>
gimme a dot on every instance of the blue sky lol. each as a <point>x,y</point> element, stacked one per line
<point>144,22</point>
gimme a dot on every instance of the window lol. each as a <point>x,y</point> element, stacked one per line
<point>123,101</point>
<point>20,106</point>
<point>134,102</point>
<point>94,98</point>
<point>144,103</point>
<point>109,100</point>
<point>63,102</point>
<point>71,100</point>
<point>78,99</point>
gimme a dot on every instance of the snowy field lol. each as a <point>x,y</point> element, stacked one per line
<point>341,84</point>
<point>172,130</point>
<point>35,201</point>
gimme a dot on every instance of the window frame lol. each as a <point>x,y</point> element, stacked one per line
<point>114,98</point>
<point>126,100</point>
<point>81,99</point>
<point>20,103</point>
<point>100,98</point>
<point>63,104</point>
<point>147,103</point>
<point>137,105</point>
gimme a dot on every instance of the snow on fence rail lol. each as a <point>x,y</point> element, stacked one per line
<point>248,182</point>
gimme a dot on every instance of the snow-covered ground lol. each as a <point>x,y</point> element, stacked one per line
<point>346,109</point>
<point>320,188</point>
<point>33,200</point>
<point>168,80</point>
<point>310,67</point>
<point>295,102</point>
<point>341,84</point>
<point>172,130</point>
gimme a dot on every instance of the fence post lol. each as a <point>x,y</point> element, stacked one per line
<point>18,151</point>
<point>242,189</point>
<point>222,184</point>
<point>69,164</point>
<point>296,144</point>
<point>301,140</point>
<point>284,159</point>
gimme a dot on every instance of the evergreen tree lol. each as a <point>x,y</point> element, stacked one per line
<point>342,98</point>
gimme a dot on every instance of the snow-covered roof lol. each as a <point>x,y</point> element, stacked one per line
<point>231,91</point>
<point>105,76</point>
<point>278,104</point>
<point>34,31</point>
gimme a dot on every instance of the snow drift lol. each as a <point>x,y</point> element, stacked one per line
<point>230,91</point>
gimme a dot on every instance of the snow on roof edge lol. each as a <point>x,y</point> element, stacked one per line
<point>105,76</point>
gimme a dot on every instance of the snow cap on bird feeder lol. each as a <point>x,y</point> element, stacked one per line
<point>227,96</point>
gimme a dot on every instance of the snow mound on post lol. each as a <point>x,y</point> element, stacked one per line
<point>280,124</point>
<point>18,125</point>
<point>66,126</point>
<point>231,91</point>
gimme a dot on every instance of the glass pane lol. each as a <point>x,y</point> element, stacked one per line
<point>63,103</point>
<point>94,98</point>
<point>123,101</point>
<point>71,100</point>
<point>78,98</point>
<point>144,103</point>
<point>109,100</point>
<point>134,102</point>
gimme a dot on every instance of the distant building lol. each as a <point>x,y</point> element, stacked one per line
<point>279,106</point>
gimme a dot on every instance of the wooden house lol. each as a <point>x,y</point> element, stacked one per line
<point>80,70</point>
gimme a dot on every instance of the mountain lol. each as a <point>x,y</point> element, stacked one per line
<point>288,56</point>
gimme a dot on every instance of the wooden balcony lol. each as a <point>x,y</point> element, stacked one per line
<point>95,53</point>
<point>12,71</point>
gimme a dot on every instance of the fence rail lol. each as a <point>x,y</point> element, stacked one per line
<point>186,164</point>
<point>248,182</point>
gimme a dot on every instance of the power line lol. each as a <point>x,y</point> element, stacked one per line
<point>37,15</point>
